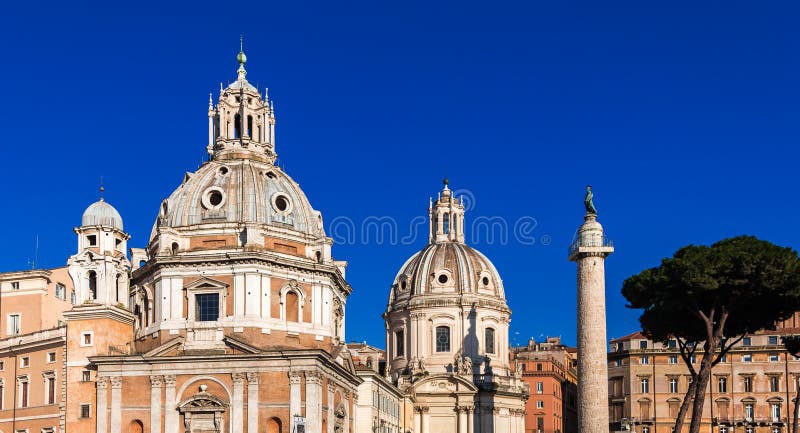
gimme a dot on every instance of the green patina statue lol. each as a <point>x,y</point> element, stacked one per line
<point>587,201</point>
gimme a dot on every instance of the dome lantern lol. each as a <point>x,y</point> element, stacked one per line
<point>446,216</point>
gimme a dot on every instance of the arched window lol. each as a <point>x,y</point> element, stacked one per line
<point>237,126</point>
<point>92,285</point>
<point>116,292</point>
<point>146,312</point>
<point>446,223</point>
<point>274,425</point>
<point>488,340</point>
<point>292,305</point>
<point>136,426</point>
<point>250,126</point>
<point>442,339</point>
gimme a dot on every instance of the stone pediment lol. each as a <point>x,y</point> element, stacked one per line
<point>341,354</point>
<point>166,349</point>
<point>444,384</point>
<point>206,282</point>
<point>202,402</point>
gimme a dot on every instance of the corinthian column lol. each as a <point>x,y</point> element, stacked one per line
<point>155,403</point>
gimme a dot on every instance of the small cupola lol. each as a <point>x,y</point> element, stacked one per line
<point>446,215</point>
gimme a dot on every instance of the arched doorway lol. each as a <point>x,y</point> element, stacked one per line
<point>136,426</point>
<point>274,425</point>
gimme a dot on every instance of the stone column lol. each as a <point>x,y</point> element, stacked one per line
<point>116,404</point>
<point>156,383</point>
<point>462,419</point>
<point>589,251</point>
<point>348,405</point>
<point>170,405</point>
<point>313,401</point>
<point>294,397</point>
<point>102,405</point>
<point>252,402</point>
<point>237,402</point>
<point>331,397</point>
<point>425,419</point>
<point>470,418</point>
<point>417,419</point>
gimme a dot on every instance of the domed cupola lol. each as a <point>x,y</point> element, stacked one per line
<point>447,300</point>
<point>100,213</point>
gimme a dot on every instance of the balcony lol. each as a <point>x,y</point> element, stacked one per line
<point>590,241</point>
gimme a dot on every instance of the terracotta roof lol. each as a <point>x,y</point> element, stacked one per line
<point>634,336</point>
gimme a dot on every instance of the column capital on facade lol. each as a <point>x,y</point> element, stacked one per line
<point>295,377</point>
<point>421,409</point>
<point>252,378</point>
<point>331,387</point>
<point>156,380</point>
<point>169,380</point>
<point>116,382</point>
<point>238,378</point>
<point>102,382</point>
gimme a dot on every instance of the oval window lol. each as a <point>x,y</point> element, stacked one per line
<point>282,203</point>
<point>485,281</point>
<point>215,198</point>
<point>442,279</point>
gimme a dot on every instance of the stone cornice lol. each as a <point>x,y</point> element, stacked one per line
<point>23,275</point>
<point>33,341</point>
<point>99,311</point>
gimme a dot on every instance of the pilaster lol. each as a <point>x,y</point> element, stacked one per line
<point>237,402</point>
<point>102,405</point>
<point>170,405</point>
<point>116,404</point>
<point>295,380</point>
<point>156,384</point>
<point>252,402</point>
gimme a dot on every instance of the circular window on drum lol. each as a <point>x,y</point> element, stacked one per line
<point>213,198</point>
<point>281,203</point>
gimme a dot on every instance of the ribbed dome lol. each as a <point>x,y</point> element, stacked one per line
<point>447,268</point>
<point>240,191</point>
<point>101,213</point>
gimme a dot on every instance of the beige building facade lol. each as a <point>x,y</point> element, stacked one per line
<point>751,391</point>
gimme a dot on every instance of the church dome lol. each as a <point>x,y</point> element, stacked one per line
<point>240,191</point>
<point>100,213</point>
<point>447,268</point>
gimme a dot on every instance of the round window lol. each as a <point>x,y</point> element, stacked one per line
<point>403,285</point>
<point>485,281</point>
<point>443,279</point>
<point>281,203</point>
<point>213,198</point>
<point>223,171</point>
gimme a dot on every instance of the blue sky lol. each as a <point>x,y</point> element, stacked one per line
<point>682,117</point>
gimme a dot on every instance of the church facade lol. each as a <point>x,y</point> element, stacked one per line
<point>232,318</point>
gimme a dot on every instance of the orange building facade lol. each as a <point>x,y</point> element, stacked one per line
<point>550,370</point>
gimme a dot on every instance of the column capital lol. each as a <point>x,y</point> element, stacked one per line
<point>156,381</point>
<point>295,377</point>
<point>102,382</point>
<point>238,378</point>
<point>116,382</point>
<point>313,377</point>
<point>169,380</point>
<point>331,388</point>
<point>421,409</point>
<point>252,379</point>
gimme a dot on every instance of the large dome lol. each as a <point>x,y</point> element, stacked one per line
<point>240,191</point>
<point>447,268</point>
<point>101,213</point>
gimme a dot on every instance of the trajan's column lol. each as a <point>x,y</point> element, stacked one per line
<point>589,250</point>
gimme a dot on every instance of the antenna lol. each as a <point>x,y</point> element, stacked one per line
<point>36,255</point>
<point>102,189</point>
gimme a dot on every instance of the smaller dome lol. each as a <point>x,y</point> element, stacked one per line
<point>101,213</point>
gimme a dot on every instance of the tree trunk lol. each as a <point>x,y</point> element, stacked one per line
<point>796,411</point>
<point>685,406</point>
<point>703,376</point>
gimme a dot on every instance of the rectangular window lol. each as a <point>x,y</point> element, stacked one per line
<point>24,362</point>
<point>400,341</point>
<point>15,285</point>
<point>747,381</point>
<point>86,411</point>
<point>14,324</point>
<point>722,384</point>
<point>748,411</point>
<point>61,291</point>
<point>92,240</point>
<point>673,386</point>
<point>51,390</point>
<point>643,344</point>
<point>86,338</point>
<point>644,360</point>
<point>776,412</point>
<point>86,376</point>
<point>23,392</point>
<point>51,357</point>
<point>746,341</point>
<point>747,358</point>
<point>672,344</point>
<point>774,384</point>
<point>673,359</point>
<point>207,307</point>
<point>539,404</point>
<point>2,395</point>
<point>645,386</point>
<point>539,387</point>
<point>773,358</point>
<point>693,359</point>
<point>489,340</point>
<point>442,339</point>
<point>773,340</point>
<point>539,366</point>
<point>723,358</point>
<point>2,365</point>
